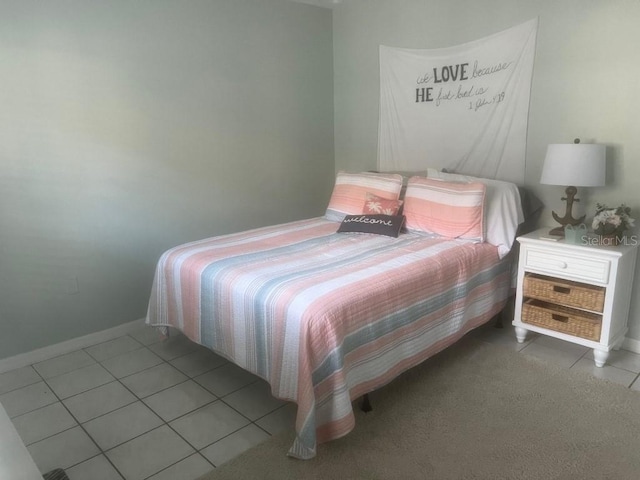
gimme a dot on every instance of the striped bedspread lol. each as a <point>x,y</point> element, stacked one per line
<point>325,317</point>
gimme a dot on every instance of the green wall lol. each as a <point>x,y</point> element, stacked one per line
<point>128,127</point>
<point>585,83</point>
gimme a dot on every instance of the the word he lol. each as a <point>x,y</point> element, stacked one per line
<point>445,74</point>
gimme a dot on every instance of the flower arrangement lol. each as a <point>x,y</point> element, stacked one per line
<point>612,221</point>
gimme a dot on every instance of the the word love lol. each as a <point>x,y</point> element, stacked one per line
<point>450,73</point>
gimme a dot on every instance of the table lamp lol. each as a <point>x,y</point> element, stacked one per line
<point>576,164</point>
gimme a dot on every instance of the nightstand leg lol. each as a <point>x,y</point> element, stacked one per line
<point>521,334</point>
<point>600,357</point>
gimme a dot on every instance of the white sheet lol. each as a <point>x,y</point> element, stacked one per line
<point>463,107</point>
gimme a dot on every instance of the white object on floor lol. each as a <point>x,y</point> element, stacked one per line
<point>15,461</point>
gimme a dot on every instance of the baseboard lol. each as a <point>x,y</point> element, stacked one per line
<point>45,353</point>
<point>631,344</point>
<point>50,351</point>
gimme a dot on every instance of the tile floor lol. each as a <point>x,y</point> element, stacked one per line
<point>139,408</point>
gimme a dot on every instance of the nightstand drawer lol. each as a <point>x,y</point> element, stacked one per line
<point>562,319</point>
<point>582,268</point>
<point>564,292</point>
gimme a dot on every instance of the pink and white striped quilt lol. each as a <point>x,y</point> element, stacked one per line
<point>325,317</point>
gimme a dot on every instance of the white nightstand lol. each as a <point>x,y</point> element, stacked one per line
<point>578,293</point>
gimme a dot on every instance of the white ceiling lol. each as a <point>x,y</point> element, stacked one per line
<point>320,3</point>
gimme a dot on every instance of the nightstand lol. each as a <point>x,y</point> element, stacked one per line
<point>578,293</point>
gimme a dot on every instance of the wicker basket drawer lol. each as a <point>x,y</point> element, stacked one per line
<point>565,292</point>
<point>562,319</point>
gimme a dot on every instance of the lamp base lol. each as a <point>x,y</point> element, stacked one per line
<point>557,232</point>
<point>568,216</point>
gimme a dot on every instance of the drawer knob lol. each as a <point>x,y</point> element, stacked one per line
<point>562,264</point>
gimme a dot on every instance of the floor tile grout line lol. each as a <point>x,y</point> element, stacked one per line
<point>228,393</point>
<point>182,459</point>
<point>33,365</point>
<point>199,451</point>
<point>189,412</point>
<point>78,424</point>
<point>239,413</point>
<point>85,349</point>
<point>92,388</point>
<point>168,422</point>
<point>222,438</point>
<point>64,373</point>
<point>584,355</point>
<point>163,390</point>
<point>578,360</point>
<point>63,406</point>
<point>232,407</point>
<point>143,370</point>
<point>251,422</point>
<point>164,422</point>
<point>141,399</point>
<point>35,409</point>
<point>24,386</point>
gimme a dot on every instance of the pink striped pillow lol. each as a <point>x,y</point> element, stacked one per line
<point>350,192</point>
<point>453,210</point>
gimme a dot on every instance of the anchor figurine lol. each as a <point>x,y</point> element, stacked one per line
<point>568,218</point>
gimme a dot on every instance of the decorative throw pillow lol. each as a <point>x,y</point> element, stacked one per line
<point>453,210</point>
<point>379,205</point>
<point>350,190</point>
<point>389,225</point>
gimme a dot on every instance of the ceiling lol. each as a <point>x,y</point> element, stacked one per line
<point>320,3</point>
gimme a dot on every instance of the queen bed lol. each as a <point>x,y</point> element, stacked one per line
<point>327,316</point>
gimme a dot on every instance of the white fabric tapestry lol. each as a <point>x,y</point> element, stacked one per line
<point>463,108</point>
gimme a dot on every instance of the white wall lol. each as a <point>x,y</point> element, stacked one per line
<point>128,127</point>
<point>585,82</point>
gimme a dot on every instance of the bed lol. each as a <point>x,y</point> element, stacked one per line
<point>326,316</point>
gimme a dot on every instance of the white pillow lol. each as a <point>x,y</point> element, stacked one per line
<point>503,209</point>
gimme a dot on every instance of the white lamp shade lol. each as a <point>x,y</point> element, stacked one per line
<point>574,164</point>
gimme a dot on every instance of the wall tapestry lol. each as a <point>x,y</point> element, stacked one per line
<point>463,108</point>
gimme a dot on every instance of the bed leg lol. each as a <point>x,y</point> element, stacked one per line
<point>499,323</point>
<point>506,312</point>
<point>365,406</point>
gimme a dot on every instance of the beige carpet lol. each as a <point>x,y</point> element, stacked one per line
<point>475,411</point>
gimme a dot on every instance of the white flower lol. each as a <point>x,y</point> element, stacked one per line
<point>374,206</point>
<point>596,223</point>
<point>612,219</point>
